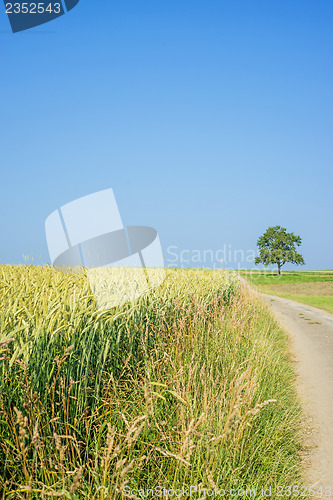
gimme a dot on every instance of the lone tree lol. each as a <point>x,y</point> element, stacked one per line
<point>276,246</point>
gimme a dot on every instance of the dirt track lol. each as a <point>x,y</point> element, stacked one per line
<point>311,333</point>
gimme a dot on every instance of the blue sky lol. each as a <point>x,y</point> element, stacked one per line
<point>210,120</point>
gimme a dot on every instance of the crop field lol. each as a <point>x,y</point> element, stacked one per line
<point>190,385</point>
<point>314,288</point>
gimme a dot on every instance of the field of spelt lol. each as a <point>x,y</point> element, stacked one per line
<point>190,385</point>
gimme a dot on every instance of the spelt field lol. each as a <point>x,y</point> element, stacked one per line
<point>314,288</point>
<point>190,385</point>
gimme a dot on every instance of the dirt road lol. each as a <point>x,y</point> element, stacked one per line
<point>311,333</point>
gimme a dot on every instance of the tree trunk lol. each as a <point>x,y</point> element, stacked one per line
<point>279,269</point>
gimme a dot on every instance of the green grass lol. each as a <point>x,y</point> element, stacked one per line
<point>321,302</point>
<point>273,284</point>
<point>287,277</point>
<point>191,384</point>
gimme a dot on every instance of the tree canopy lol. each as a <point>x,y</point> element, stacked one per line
<point>276,246</point>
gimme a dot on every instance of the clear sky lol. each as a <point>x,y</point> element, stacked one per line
<point>211,120</point>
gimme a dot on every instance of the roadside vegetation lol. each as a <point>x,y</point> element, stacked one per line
<point>191,385</point>
<point>314,288</point>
